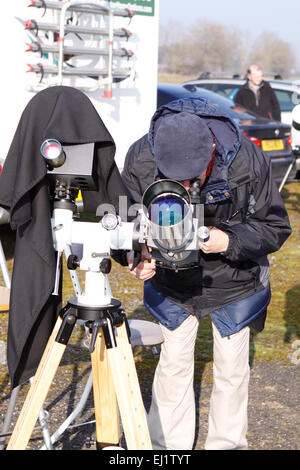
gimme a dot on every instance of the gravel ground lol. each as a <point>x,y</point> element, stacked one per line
<point>274,404</point>
<point>274,408</point>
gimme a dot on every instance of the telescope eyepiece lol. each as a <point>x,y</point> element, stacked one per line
<point>52,151</point>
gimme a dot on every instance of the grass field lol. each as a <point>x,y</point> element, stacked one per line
<point>174,78</point>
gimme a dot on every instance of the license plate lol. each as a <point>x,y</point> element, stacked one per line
<point>269,145</point>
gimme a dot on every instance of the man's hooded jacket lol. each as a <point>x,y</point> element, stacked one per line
<point>65,114</point>
<point>240,198</point>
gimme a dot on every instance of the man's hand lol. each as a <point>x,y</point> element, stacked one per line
<point>146,268</point>
<point>217,243</point>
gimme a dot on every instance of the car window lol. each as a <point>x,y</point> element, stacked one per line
<point>233,92</point>
<point>224,89</point>
<point>207,86</point>
<point>163,98</point>
<point>238,112</point>
<point>287,99</point>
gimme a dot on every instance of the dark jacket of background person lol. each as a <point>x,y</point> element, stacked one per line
<point>264,105</point>
<point>240,198</point>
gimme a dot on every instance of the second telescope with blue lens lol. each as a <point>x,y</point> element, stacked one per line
<point>172,228</point>
<point>167,210</point>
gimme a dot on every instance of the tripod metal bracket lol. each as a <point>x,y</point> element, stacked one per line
<point>110,319</point>
<point>105,317</point>
<point>69,320</point>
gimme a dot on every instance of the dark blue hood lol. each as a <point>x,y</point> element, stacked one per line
<point>226,135</point>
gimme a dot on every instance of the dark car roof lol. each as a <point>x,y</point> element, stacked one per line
<point>174,91</point>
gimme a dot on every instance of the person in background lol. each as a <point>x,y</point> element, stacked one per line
<point>258,96</point>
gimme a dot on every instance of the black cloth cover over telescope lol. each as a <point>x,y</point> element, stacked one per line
<point>65,114</point>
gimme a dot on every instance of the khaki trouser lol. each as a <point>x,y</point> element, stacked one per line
<point>171,417</point>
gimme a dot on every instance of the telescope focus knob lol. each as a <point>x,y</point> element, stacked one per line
<point>203,234</point>
<point>110,221</point>
<point>73,262</point>
<point>105,266</point>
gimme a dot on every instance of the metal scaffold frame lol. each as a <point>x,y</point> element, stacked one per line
<point>106,75</point>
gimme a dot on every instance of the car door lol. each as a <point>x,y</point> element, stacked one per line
<point>287,100</point>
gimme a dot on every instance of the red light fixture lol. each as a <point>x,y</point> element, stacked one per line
<point>255,140</point>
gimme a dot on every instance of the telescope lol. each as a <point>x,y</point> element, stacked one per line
<point>71,168</point>
<point>170,221</point>
<point>173,217</point>
<point>168,224</point>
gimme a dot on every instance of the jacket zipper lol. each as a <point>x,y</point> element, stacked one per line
<point>233,215</point>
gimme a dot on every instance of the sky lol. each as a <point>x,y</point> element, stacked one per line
<point>254,16</point>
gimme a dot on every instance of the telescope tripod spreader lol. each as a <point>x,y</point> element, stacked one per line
<point>115,381</point>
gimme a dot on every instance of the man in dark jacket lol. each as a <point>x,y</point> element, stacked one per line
<point>258,96</point>
<point>189,139</point>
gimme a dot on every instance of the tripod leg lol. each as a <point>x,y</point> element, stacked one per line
<point>128,392</point>
<point>38,390</point>
<point>9,413</point>
<point>286,176</point>
<point>106,409</point>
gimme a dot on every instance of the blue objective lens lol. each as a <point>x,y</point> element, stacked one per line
<point>167,211</point>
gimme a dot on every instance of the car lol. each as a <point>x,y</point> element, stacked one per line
<point>287,92</point>
<point>274,138</point>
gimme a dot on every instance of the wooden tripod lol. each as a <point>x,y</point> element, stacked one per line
<point>115,381</point>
